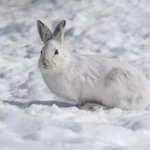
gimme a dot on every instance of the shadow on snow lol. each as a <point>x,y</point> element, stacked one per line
<point>36,102</point>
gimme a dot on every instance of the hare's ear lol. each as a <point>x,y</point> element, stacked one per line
<point>59,31</point>
<point>44,32</point>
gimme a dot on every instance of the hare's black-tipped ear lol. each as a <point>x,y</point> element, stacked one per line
<point>44,32</point>
<point>59,31</point>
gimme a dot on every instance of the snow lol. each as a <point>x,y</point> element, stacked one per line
<point>29,116</point>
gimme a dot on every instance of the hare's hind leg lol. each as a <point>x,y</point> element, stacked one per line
<point>125,90</point>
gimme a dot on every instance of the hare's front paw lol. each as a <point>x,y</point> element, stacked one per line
<point>92,107</point>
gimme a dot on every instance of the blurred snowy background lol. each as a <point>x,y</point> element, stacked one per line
<point>113,28</point>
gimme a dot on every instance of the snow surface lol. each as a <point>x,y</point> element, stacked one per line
<point>28,118</point>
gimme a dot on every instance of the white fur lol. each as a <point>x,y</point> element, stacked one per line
<point>93,78</point>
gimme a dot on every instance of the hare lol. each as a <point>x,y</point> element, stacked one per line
<point>85,78</point>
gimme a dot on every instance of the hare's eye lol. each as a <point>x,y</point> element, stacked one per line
<point>56,52</point>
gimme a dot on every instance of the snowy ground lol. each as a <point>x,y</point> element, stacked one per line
<point>28,119</point>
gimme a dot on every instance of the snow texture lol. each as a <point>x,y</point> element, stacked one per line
<point>29,119</point>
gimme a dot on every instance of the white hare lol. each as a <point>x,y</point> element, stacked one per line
<point>89,78</point>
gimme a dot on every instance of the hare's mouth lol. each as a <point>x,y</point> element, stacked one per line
<point>47,64</point>
<point>45,67</point>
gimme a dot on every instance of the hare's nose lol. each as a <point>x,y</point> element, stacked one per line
<point>45,62</point>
